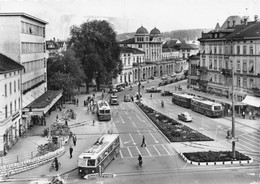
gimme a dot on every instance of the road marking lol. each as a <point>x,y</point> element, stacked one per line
<point>121,119</point>
<point>121,143</point>
<point>156,150</point>
<point>129,152</point>
<point>128,105</point>
<point>169,100</point>
<point>170,114</point>
<point>132,121</point>
<point>121,154</point>
<point>148,151</point>
<point>138,150</point>
<point>166,149</point>
<point>153,137</point>
<point>132,139</point>
<point>139,118</point>
<point>139,132</point>
<point>124,110</point>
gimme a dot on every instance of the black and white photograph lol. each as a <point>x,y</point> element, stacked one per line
<point>130,91</point>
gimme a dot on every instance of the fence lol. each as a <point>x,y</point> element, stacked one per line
<point>18,158</point>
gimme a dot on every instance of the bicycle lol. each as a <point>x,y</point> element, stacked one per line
<point>52,167</point>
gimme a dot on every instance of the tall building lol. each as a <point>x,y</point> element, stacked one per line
<point>235,46</point>
<point>24,43</point>
<point>10,103</point>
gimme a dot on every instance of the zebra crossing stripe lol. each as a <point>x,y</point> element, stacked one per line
<point>129,152</point>
<point>156,150</point>
<point>148,151</point>
<point>166,149</point>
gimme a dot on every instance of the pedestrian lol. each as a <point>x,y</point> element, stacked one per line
<point>57,117</point>
<point>253,115</point>
<point>77,102</point>
<point>74,140</point>
<point>66,122</point>
<point>243,114</point>
<point>71,150</point>
<point>93,122</point>
<point>56,163</point>
<point>151,95</point>
<point>250,114</point>
<point>132,98</point>
<point>143,142</point>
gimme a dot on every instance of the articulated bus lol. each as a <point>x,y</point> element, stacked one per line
<point>103,111</point>
<point>181,99</point>
<point>206,107</point>
<point>99,155</point>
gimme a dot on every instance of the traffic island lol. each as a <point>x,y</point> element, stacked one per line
<point>215,158</point>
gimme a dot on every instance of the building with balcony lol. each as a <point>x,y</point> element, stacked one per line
<point>151,45</point>
<point>233,46</point>
<point>54,47</point>
<point>10,106</point>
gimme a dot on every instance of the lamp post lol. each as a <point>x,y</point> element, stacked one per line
<point>139,83</point>
<point>233,112</point>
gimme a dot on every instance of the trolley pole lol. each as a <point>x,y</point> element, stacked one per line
<point>139,83</point>
<point>233,113</point>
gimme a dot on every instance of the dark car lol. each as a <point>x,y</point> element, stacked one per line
<point>185,117</point>
<point>114,100</point>
<point>112,90</point>
<point>152,78</point>
<point>127,98</point>
<point>166,93</point>
<point>120,88</point>
<point>161,84</point>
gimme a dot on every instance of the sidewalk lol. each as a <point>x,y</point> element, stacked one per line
<point>82,126</point>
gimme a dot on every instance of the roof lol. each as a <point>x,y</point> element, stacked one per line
<point>170,43</point>
<point>155,31</point>
<point>131,50</point>
<point>252,29</point>
<point>169,50</point>
<point>128,41</point>
<point>141,31</point>
<point>22,14</point>
<point>49,43</point>
<point>194,57</point>
<point>45,99</point>
<point>7,64</point>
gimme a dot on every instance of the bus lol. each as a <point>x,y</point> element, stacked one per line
<point>181,99</point>
<point>206,107</point>
<point>103,111</point>
<point>99,155</point>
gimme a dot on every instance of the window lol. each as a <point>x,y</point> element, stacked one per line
<point>238,66</point>
<point>5,90</point>
<point>244,66</point>
<point>251,83</point>
<point>139,45</point>
<point>10,86</point>
<point>238,49</point>
<point>210,63</point>
<point>19,103</point>
<point>11,108</point>
<point>18,84</point>
<point>215,50</point>
<point>215,78</point>
<point>14,86</point>
<point>220,50</point>
<point>129,61</point>
<point>238,81</point>
<point>6,111</point>
<point>215,64</point>
<point>251,66</point>
<point>231,49</point>
<point>203,62</point>
<point>15,106</point>
<point>251,50</point>
<point>244,49</point>
<point>244,82</point>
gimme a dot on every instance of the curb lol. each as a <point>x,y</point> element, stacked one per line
<point>152,123</point>
<point>216,163</point>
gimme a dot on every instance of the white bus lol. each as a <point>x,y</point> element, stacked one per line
<point>103,110</point>
<point>206,107</point>
<point>99,155</point>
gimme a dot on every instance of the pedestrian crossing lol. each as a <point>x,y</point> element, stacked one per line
<point>148,151</point>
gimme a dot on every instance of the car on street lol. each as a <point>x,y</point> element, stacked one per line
<point>112,90</point>
<point>164,77</point>
<point>161,84</point>
<point>152,78</point>
<point>127,98</point>
<point>153,89</point>
<point>185,116</point>
<point>120,88</point>
<point>113,100</point>
<point>166,93</point>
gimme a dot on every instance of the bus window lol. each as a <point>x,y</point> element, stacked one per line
<point>107,111</point>
<point>91,162</point>
<point>217,108</point>
<point>102,111</point>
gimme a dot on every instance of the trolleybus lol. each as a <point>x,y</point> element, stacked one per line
<point>181,99</point>
<point>99,155</point>
<point>103,110</point>
<point>206,107</point>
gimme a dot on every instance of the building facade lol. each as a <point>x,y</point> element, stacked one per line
<point>10,103</point>
<point>233,47</point>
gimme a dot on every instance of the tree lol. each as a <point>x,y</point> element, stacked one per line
<point>65,72</point>
<point>94,43</point>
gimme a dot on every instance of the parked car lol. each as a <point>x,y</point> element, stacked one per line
<point>114,100</point>
<point>166,93</point>
<point>153,89</point>
<point>127,98</point>
<point>112,90</point>
<point>152,78</point>
<point>120,88</point>
<point>161,84</point>
<point>164,77</point>
<point>185,117</point>
<point>171,81</point>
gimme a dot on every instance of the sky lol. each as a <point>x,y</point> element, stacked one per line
<point>129,15</point>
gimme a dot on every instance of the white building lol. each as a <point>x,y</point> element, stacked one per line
<point>10,103</point>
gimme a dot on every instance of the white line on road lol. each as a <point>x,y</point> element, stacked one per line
<point>166,149</point>
<point>139,118</point>
<point>139,132</point>
<point>169,100</point>
<point>132,139</point>
<point>121,119</point>
<point>121,154</point>
<point>148,151</point>
<point>138,150</point>
<point>153,137</point>
<point>121,143</point>
<point>125,111</point>
<point>129,152</point>
<point>156,150</point>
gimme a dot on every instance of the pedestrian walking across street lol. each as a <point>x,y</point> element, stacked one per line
<point>71,151</point>
<point>143,142</point>
<point>74,140</point>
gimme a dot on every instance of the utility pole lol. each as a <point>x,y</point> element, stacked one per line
<point>233,113</point>
<point>139,83</point>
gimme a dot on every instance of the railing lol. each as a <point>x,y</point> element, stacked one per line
<point>18,158</point>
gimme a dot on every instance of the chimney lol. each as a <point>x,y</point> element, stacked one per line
<point>245,20</point>
<point>256,18</point>
<point>53,38</point>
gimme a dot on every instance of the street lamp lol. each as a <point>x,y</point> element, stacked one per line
<point>233,112</point>
<point>139,83</point>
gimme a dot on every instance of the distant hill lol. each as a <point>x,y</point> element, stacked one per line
<point>186,34</point>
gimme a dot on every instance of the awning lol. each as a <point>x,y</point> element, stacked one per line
<point>43,103</point>
<point>252,100</point>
